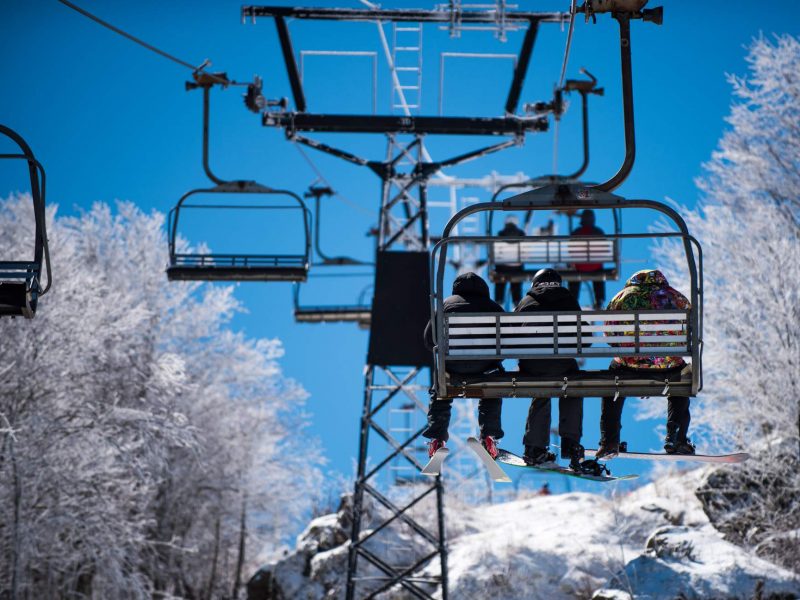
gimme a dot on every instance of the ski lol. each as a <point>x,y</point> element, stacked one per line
<point>495,472</point>
<point>708,458</point>
<point>434,466</point>
<point>509,458</point>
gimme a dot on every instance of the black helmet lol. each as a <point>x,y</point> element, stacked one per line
<point>547,278</point>
<point>587,217</point>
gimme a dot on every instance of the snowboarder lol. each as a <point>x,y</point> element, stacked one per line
<point>588,227</point>
<point>470,294</point>
<point>510,229</point>
<point>547,294</point>
<point>647,289</point>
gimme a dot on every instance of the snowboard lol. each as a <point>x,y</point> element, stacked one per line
<point>509,458</point>
<point>434,466</point>
<point>495,472</point>
<point>708,458</point>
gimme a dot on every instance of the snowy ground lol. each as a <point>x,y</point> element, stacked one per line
<point>653,543</point>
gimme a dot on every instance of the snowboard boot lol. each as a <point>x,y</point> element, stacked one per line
<point>535,456</point>
<point>433,446</point>
<point>572,450</point>
<point>608,449</point>
<point>490,444</point>
<point>677,444</point>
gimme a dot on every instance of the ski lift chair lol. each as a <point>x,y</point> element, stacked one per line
<point>20,281</point>
<point>359,313</point>
<point>549,335</point>
<point>239,267</point>
<point>562,254</point>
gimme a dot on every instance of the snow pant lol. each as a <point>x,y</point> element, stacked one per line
<point>500,292</point>
<point>678,417</point>
<point>599,292</point>
<point>439,417</point>
<point>500,287</point>
<point>570,421</point>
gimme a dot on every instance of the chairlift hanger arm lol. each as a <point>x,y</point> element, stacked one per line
<point>624,20</point>
<point>317,193</point>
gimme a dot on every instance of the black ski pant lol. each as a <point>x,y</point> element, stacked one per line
<point>439,417</point>
<point>500,292</point>
<point>678,416</point>
<point>599,292</point>
<point>570,421</point>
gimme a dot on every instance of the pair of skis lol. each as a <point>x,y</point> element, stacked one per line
<point>434,466</point>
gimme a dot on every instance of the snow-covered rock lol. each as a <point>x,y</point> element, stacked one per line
<point>653,543</point>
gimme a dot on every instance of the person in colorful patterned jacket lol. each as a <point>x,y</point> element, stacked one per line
<point>647,289</point>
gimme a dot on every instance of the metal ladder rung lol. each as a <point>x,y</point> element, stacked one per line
<point>407,48</point>
<point>406,68</point>
<point>408,28</point>
<point>408,87</point>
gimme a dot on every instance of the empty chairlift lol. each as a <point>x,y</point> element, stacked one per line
<point>586,334</point>
<point>359,312</point>
<point>261,206</point>
<point>264,217</point>
<point>20,280</point>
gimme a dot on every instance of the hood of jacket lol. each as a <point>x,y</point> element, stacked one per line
<point>551,294</point>
<point>647,277</point>
<point>511,230</point>
<point>470,284</point>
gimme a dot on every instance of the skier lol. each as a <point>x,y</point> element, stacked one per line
<point>510,229</point>
<point>647,289</point>
<point>588,227</point>
<point>470,294</point>
<point>547,294</point>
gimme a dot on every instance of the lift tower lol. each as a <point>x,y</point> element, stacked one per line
<point>398,367</point>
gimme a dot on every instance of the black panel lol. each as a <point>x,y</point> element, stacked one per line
<point>400,310</point>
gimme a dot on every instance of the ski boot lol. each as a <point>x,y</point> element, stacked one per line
<point>677,444</point>
<point>535,456</point>
<point>435,445</point>
<point>490,444</point>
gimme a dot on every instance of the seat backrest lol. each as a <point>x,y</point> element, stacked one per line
<point>479,336</point>
<point>574,251</point>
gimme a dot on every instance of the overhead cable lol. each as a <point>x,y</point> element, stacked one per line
<point>175,59</point>
<point>328,183</point>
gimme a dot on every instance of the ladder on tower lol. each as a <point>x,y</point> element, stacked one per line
<point>407,66</point>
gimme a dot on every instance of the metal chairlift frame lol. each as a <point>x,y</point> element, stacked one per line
<point>361,312</point>
<point>20,281</point>
<point>584,88</point>
<point>233,267</point>
<point>569,197</point>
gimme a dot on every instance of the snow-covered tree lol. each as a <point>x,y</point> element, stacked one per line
<point>749,225</point>
<point>142,441</point>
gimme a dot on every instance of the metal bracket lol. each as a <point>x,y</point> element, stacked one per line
<point>564,387</point>
<point>665,392</point>
<point>616,385</point>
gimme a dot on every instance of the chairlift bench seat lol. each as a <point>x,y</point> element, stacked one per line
<point>229,267</point>
<point>573,334</point>
<point>19,289</point>
<point>362,315</point>
<point>561,254</point>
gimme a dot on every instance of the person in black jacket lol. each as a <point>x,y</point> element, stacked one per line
<point>470,294</point>
<point>548,295</point>
<point>510,229</point>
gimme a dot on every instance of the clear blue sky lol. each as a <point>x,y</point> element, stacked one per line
<point>110,120</point>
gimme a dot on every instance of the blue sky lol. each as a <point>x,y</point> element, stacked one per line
<point>110,120</point>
